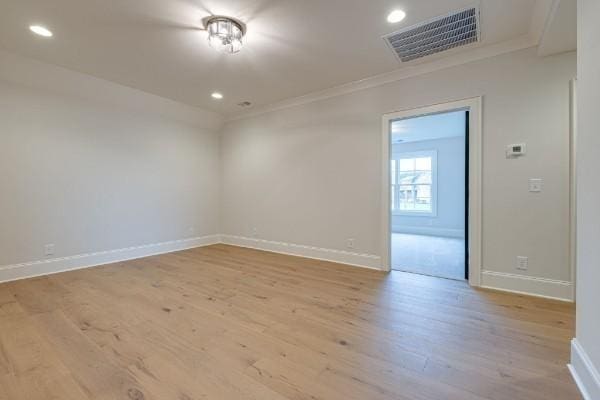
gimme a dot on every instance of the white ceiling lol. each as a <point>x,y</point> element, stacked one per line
<point>292,48</point>
<point>429,127</point>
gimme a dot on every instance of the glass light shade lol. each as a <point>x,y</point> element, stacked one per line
<point>225,35</point>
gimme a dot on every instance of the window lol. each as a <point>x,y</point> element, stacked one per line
<point>413,180</point>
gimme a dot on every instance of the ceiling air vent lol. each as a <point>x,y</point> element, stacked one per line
<point>436,35</point>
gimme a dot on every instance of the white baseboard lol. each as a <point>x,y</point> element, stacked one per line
<point>584,372</point>
<point>339,256</point>
<point>548,288</point>
<point>429,231</point>
<point>55,265</point>
<point>541,287</point>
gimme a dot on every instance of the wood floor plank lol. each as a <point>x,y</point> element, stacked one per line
<point>224,322</point>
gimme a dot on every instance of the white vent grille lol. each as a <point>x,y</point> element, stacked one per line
<point>436,35</point>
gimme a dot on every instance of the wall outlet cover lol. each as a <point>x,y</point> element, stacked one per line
<point>522,263</point>
<point>49,250</point>
<point>535,185</point>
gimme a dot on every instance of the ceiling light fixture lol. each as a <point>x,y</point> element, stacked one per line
<point>396,16</point>
<point>225,34</point>
<point>217,95</point>
<point>40,30</point>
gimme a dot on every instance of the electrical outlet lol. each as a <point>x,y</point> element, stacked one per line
<point>254,232</point>
<point>535,185</point>
<point>522,263</point>
<point>350,243</point>
<point>191,230</point>
<point>49,250</point>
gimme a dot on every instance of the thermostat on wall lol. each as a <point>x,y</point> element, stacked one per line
<point>515,150</point>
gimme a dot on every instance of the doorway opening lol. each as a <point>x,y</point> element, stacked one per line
<point>428,167</point>
<point>432,202</point>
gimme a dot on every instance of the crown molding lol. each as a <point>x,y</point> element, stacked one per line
<point>476,54</point>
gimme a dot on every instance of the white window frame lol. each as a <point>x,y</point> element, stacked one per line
<point>434,191</point>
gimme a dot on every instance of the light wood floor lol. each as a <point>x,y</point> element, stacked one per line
<point>224,323</point>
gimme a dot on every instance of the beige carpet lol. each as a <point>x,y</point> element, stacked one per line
<point>429,255</point>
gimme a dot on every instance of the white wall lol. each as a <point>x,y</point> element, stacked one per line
<point>586,348</point>
<point>450,217</point>
<point>90,166</point>
<point>310,174</point>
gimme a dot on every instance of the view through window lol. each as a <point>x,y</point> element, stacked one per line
<point>412,180</point>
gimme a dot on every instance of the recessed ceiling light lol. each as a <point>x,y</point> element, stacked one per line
<point>396,16</point>
<point>217,95</point>
<point>40,30</point>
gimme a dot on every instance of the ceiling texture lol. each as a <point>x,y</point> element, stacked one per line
<point>429,127</point>
<point>292,48</point>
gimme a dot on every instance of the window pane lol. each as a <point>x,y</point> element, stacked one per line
<point>412,184</point>
<point>423,164</point>
<point>393,197</point>
<point>423,191</point>
<point>407,164</point>
<point>423,207</point>
<point>423,177</point>
<point>393,171</point>
<point>407,197</point>
<point>407,205</point>
<point>406,178</point>
<point>423,198</point>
